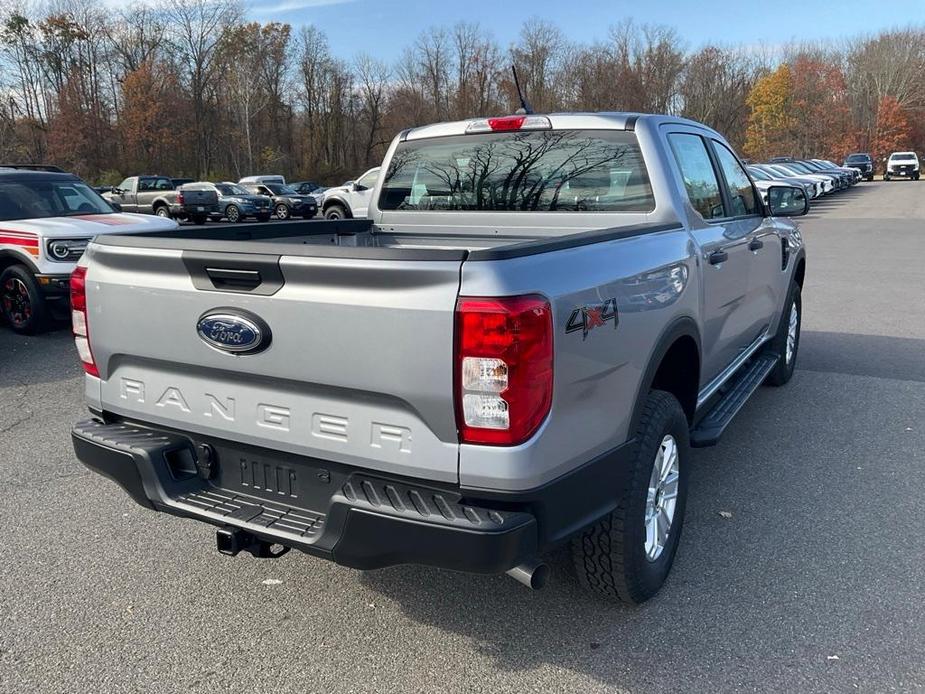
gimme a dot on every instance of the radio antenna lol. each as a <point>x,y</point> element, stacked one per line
<point>525,107</point>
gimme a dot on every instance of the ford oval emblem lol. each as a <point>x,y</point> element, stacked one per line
<point>233,331</point>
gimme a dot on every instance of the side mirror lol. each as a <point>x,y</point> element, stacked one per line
<point>787,201</point>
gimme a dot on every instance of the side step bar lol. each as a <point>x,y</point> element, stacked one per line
<point>714,423</point>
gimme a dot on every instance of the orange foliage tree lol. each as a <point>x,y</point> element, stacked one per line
<point>893,131</point>
<point>770,121</point>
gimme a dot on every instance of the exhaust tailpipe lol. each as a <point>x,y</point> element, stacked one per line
<point>532,574</point>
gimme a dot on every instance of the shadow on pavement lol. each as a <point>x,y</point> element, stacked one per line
<point>900,358</point>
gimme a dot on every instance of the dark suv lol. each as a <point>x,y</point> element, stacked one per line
<point>863,162</point>
<point>287,202</point>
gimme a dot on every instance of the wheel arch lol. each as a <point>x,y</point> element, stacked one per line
<point>8,258</point>
<point>673,367</point>
<point>337,201</point>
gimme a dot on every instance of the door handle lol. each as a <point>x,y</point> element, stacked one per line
<point>717,257</point>
<point>756,245</point>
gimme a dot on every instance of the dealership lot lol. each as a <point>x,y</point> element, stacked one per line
<point>812,584</point>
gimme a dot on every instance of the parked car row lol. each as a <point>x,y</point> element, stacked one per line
<point>253,197</point>
<point>817,177</point>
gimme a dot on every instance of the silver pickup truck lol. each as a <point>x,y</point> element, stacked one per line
<point>515,350</point>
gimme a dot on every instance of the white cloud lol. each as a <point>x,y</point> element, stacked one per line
<point>293,5</point>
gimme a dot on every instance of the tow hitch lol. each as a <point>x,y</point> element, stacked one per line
<point>231,541</point>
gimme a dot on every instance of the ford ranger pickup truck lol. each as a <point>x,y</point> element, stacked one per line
<point>516,349</point>
<point>47,218</point>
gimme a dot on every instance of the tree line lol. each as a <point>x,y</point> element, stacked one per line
<point>191,88</point>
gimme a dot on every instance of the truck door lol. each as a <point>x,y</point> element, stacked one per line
<point>362,193</point>
<point>765,286</point>
<point>723,252</point>
<point>125,197</point>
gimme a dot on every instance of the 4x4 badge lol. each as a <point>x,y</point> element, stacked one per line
<point>587,318</point>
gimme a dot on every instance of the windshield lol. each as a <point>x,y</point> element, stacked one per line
<point>280,189</point>
<point>902,156</point>
<point>546,171</point>
<point>759,174</point>
<point>231,189</point>
<point>38,198</point>
<point>859,158</point>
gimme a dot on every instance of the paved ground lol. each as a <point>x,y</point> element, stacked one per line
<point>814,584</point>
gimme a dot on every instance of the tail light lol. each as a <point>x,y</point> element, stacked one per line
<point>504,368</point>
<point>180,200</point>
<point>79,320</point>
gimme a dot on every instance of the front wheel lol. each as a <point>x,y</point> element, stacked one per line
<point>335,212</point>
<point>787,341</point>
<point>627,555</point>
<point>22,302</point>
<point>282,211</point>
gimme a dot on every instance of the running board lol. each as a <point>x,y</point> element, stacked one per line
<point>746,382</point>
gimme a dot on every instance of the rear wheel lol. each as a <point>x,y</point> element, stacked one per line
<point>21,301</point>
<point>162,211</point>
<point>627,555</point>
<point>200,219</point>
<point>282,211</point>
<point>233,214</point>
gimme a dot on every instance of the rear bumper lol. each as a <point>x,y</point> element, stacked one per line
<point>346,514</point>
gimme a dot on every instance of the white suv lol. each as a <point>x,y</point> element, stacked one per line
<point>902,164</point>
<point>351,199</point>
<point>46,221</point>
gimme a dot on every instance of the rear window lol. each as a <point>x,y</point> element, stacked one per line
<point>545,171</point>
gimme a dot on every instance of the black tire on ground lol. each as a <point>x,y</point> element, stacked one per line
<point>263,218</point>
<point>162,211</point>
<point>282,211</point>
<point>233,214</point>
<point>309,216</point>
<point>783,370</point>
<point>199,219</point>
<point>21,301</point>
<point>610,557</point>
<point>336,212</point>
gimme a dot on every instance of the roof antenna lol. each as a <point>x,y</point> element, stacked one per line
<point>525,108</point>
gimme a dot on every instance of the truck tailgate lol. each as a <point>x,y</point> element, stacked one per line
<point>358,371</point>
<point>194,197</point>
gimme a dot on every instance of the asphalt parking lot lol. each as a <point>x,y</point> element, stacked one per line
<point>814,583</point>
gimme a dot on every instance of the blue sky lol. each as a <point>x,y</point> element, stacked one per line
<point>384,27</point>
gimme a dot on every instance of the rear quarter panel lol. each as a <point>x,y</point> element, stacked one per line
<point>654,280</point>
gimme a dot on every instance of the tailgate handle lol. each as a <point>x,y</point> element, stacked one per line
<point>231,278</point>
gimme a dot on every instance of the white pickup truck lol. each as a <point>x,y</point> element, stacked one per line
<point>47,218</point>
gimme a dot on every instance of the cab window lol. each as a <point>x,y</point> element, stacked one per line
<point>700,180</point>
<point>741,191</point>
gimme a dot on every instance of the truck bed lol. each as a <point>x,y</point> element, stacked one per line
<point>361,239</point>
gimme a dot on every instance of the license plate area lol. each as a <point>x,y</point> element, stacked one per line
<point>291,480</point>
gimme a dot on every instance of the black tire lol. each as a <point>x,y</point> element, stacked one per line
<point>263,218</point>
<point>282,211</point>
<point>783,370</point>
<point>610,557</point>
<point>199,219</point>
<point>336,211</point>
<point>233,214</point>
<point>162,211</point>
<point>21,301</point>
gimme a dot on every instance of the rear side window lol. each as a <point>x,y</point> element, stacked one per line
<point>538,171</point>
<point>741,191</point>
<point>699,177</point>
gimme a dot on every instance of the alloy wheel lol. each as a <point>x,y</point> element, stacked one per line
<point>662,497</point>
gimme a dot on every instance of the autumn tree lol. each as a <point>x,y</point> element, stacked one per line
<point>892,132</point>
<point>151,121</point>
<point>820,115</point>
<point>770,122</point>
